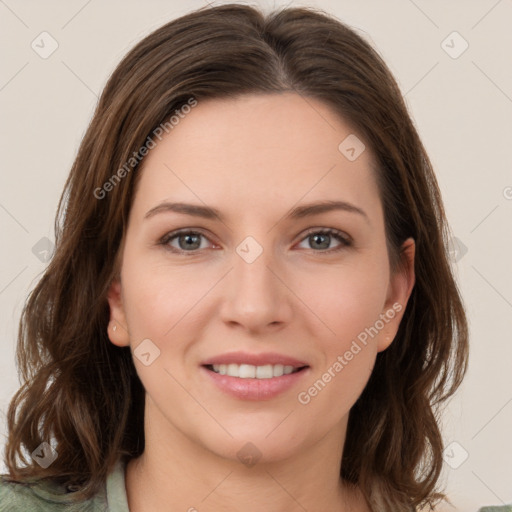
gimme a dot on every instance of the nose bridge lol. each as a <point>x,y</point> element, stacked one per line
<point>251,275</point>
<point>255,296</point>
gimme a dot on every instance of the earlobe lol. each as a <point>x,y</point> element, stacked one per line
<point>400,288</point>
<point>384,342</point>
<point>117,328</point>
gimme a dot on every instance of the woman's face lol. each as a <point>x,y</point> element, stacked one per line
<point>259,289</point>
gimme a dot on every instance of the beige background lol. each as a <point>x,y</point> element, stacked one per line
<point>461,106</point>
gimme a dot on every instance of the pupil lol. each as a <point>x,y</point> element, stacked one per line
<point>189,241</point>
<point>318,236</point>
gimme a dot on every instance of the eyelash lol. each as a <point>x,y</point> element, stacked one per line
<point>344,240</point>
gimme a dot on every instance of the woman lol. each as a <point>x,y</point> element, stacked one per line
<point>250,304</point>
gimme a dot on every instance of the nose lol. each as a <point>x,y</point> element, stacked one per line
<point>255,294</point>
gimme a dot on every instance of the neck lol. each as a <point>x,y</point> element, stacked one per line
<point>183,475</point>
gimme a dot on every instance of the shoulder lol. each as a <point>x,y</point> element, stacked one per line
<point>21,497</point>
<point>504,508</point>
<point>50,497</point>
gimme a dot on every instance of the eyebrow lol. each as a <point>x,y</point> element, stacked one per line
<point>298,212</point>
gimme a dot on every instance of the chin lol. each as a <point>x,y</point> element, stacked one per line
<point>257,443</point>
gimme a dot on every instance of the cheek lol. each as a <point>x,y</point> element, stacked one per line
<point>347,343</point>
<point>332,391</point>
<point>158,296</point>
<point>162,303</point>
<point>348,301</point>
<point>344,299</point>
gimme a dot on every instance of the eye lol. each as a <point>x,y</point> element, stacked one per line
<point>187,241</point>
<point>322,238</point>
<point>191,241</point>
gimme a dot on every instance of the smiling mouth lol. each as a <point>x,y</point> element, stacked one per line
<point>249,371</point>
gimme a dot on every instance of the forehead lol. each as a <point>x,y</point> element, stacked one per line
<point>245,153</point>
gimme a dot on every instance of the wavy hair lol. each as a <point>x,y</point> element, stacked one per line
<point>83,392</point>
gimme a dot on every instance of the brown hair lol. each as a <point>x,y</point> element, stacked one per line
<point>84,393</point>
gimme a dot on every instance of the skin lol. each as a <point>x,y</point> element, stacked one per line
<point>254,158</point>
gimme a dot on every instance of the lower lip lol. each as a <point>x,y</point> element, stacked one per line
<point>255,389</point>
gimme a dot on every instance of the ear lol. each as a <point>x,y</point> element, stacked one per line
<point>117,327</point>
<point>401,283</point>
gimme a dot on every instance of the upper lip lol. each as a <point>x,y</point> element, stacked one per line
<point>254,359</point>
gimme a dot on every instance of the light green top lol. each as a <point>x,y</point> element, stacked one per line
<point>112,498</point>
<point>52,498</point>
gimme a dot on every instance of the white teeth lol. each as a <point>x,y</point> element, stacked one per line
<point>278,370</point>
<point>264,372</point>
<point>249,371</point>
<point>246,371</point>
<point>233,370</point>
